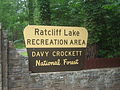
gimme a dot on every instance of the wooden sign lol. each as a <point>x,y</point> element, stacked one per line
<point>55,48</point>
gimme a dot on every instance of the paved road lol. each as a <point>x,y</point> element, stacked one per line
<point>21,50</point>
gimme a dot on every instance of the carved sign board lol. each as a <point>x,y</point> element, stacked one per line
<point>55,48</point>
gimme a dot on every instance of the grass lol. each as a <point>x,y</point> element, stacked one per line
<point>24,53</point>
<point>20,45</point>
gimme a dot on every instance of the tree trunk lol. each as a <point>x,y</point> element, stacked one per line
<point>45,14</point>
<point>31,12</point>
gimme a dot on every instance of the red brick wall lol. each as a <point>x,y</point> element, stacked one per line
<point>102,63</point>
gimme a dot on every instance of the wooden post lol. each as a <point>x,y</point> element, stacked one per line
<point>0,59</point>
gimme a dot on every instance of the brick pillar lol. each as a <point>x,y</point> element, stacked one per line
<point>4,60</point>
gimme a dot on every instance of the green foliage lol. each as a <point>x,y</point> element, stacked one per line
<point>100,17</point>
<point>112,39</point>
<point>102,21</point>
<point>94,19</point>
<point>31,11</point>
<point>13,16</point>
<point>44,11</point>
<point>67,13</point>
